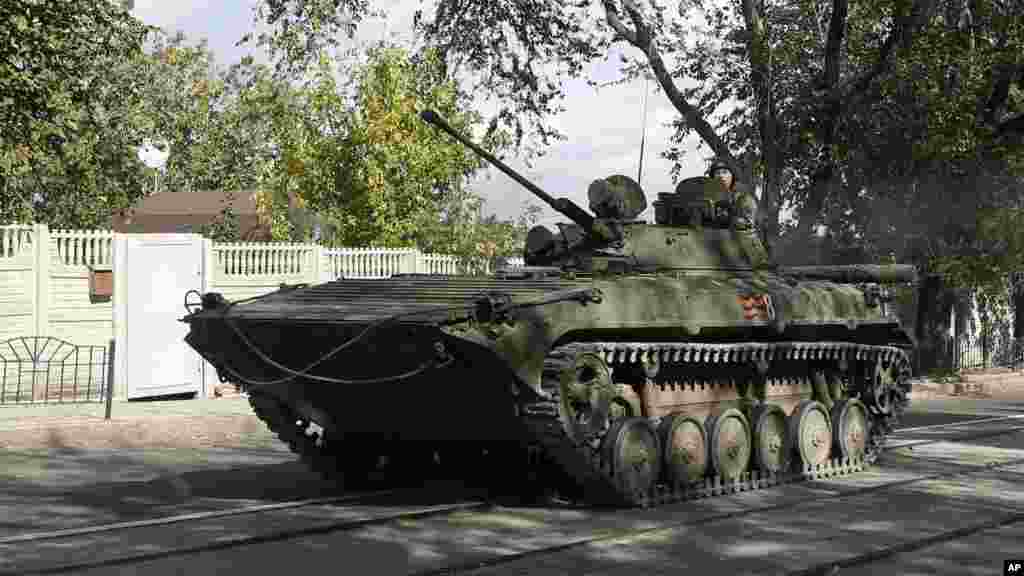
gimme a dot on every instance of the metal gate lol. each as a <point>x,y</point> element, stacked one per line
<point>151,346</point>
<point>46,369</point>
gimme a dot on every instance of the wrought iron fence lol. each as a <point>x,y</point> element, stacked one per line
<point>42,369</point>
<point>980,352</point>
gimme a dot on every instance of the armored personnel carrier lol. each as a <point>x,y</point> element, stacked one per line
<point>627,364</point>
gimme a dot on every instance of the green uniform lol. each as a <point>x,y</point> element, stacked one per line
<point>739,208</point>
<point>744,209</point>
<point>740,205</point>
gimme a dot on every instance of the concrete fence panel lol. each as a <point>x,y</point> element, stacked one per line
<point>72,314</point>
<point>369,262</point>
<point>18,292</point>
<point>244,270</point>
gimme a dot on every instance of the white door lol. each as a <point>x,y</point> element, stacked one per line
<point>159,270</point>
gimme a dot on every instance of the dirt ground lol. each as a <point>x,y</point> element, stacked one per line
<point>995,384</point>
<point>201,423</point>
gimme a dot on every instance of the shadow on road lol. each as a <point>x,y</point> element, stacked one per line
<point>66,487</point>
<point>777,530</point>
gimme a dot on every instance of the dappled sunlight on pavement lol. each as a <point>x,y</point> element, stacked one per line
<point>932,484</point>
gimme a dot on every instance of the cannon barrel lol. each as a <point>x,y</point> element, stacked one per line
<point>563,206</point>
<point>855,273</point>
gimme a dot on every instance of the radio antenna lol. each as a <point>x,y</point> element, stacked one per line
<point>643,133</point>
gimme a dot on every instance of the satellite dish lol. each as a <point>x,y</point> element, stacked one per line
<point>154,154</point>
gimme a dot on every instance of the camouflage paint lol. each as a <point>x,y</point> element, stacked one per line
<point>682,301</point>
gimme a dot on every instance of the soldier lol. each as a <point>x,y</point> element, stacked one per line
<point>730,201</point>
<point>728,204</point>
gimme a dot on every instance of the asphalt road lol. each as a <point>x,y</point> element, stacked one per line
<point>947,499</point>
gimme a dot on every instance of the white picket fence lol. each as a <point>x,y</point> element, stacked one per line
<point>69,247</point>
<point>234,260</point>
<point>83,247</point>
<point>14,240</point>
<point>92,248</point>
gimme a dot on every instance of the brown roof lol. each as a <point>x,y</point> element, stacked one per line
<point>198,202</point>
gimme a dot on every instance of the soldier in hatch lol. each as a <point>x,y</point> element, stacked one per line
<point>731,204</point>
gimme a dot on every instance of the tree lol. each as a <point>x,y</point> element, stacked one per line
<point>299,32</point>
<point>224,130</point>
<point>53,59</point>
<point>212,120</point>
<point>800,75</point>
<point>363,159</point>
<point>224,227</point>
<point>933,164</point>
<point>67,124</point>
<point>463,230</point>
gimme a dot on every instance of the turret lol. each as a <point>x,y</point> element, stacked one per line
<point>614,200</point>
<point>690,232</point>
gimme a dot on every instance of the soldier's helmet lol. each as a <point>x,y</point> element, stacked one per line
<point>719,164</point>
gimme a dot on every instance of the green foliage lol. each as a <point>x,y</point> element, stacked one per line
<point>68,120</point>
<point>928,157</point>
<point>521,53</point>
<point>996,250</point>
<point>907,124</point>
<point>401,171</point>
<point>212,121</point>
<point>476,239</point>
<point>353,159</point>
<point>78,186</point>
<point>365,163</point>
<point>53,59</point>
<point>299,31</point>
<point>225,226</point>
<point>511,58</point>
<point>836,108</point>
<point>232,130</point>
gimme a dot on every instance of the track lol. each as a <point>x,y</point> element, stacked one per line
<point>874,376</point>
<point>585,463</point>
<point>612,535</point>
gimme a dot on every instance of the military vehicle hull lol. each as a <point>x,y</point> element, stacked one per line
<point>638,388</point>
<point>430,406</point>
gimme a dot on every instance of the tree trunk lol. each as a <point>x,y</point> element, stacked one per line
<point>768,205</point>
<point>932,327</point>
<point>1018,306</point>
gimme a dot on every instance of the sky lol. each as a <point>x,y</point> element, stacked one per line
<point>603,127</point>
